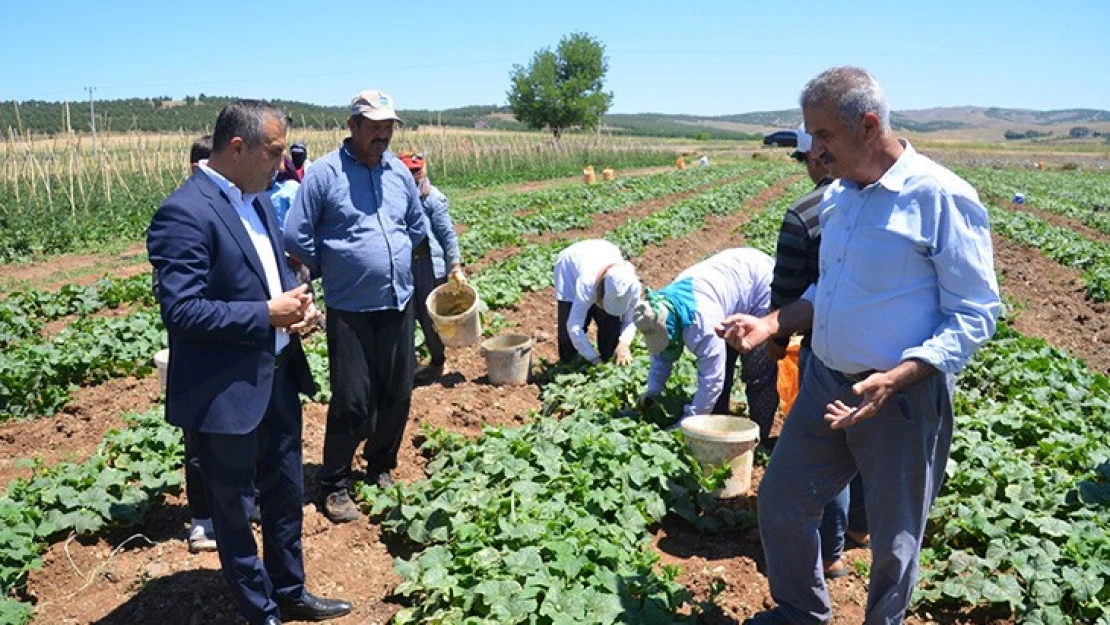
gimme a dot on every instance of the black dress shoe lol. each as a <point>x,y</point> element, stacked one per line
<point>312,608</point>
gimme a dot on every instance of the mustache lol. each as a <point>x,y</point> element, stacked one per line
<point>827,158</point>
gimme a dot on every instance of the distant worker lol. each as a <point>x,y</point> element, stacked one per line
<point>299,154</point>
<point>703,161</point>
<point>594,282</point>
<point>685,314</point>
<point>201,536</point>
<point>283,189</point>
<point>433,261</point>
<point>200,151</point>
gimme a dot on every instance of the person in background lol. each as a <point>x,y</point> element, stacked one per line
<point>200,151</point>
<point>594,282</point>
<point>201,537</point>
<point>355,223</point>
<point>299,155</point>
<point>434,261</point>
<point>283,189</point>
<point>796,268</point>
<point>906,294</point>
<point>233,312</point>
<point>686,312</point>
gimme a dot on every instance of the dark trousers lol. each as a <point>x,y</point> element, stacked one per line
<point>270,456</point>
<point>372,360</point>
<point>195,490</point>
<point>759,373</point>
<point>608,332</point>
<point>424,282</point>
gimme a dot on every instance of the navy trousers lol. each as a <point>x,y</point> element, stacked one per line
<point>269,456</point>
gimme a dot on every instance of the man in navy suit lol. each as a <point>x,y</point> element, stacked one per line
<point>232,309</point>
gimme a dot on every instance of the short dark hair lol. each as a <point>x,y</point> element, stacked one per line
<point>245,119</point>
<point>202,149</point>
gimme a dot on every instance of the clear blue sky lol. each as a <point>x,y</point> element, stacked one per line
<point>707,58</point>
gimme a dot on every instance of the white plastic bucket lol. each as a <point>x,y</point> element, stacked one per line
<point>716,440</point>
<point>162,366</point>
<point>454,311</point>
<point>508,359</point>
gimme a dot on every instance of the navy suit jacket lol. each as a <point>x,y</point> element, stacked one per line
<point>213,294</point>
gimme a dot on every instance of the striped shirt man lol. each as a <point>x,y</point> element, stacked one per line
<point>796,255</point>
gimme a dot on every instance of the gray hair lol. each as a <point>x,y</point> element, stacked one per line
<point>245,119</point>
<point>852,90</point>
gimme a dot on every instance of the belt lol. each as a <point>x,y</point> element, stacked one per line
<point>856,377</point>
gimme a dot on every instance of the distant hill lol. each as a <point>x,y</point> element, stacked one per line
<point>196,114</point>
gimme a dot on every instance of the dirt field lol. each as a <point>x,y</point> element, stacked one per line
<point>146,575</point>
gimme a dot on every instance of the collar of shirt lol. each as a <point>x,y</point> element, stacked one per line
<point>894,179</point>
<point>233,193</point>
<point>385,163</point>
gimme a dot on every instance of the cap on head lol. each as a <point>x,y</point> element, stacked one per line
<point>298,148</point>
<point>413,161</point>
<point>651,321</point>
<point>621,289</point>
<point>805,143</point>
<point>375,105</point>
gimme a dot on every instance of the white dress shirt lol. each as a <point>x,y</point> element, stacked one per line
<point>256,230</point>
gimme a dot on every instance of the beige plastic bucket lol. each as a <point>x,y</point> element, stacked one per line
<point>716,440</point>
<point>162,366</point>
<point>508,359</point>
<point>454,311</point>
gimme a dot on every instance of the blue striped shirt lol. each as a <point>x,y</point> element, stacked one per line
<point>356,226</point>
<point>907,271</point>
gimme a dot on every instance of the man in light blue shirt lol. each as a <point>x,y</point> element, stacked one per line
<point>355,222</point>
<point>906,294</point>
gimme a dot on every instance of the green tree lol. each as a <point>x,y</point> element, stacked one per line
<point>562,89</point>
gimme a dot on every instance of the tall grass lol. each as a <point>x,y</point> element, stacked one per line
<point>59,195</point>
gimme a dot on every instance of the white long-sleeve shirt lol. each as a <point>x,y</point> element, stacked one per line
<point>576,273</point>
<point>732,282</point>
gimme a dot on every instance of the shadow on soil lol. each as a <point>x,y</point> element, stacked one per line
<point>184,598</point>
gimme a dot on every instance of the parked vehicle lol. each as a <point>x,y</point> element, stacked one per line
<point>782,138</point>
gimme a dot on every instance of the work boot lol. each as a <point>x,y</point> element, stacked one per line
<point>339,508</point>
<point>427,374</point>
<point>381,479</point>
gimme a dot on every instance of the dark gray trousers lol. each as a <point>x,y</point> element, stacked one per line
<point>901,453</point>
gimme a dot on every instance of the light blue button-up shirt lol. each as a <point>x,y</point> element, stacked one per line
<point>356,226</point>
<point>442,239</point>
<point>907,271</point>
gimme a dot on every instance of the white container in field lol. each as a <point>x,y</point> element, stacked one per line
<point>508,359</point>
<point>162,366</point>
<point>716,440</point>
<point>454,311</point>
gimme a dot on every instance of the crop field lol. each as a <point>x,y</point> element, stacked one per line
<point>553,502</point>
